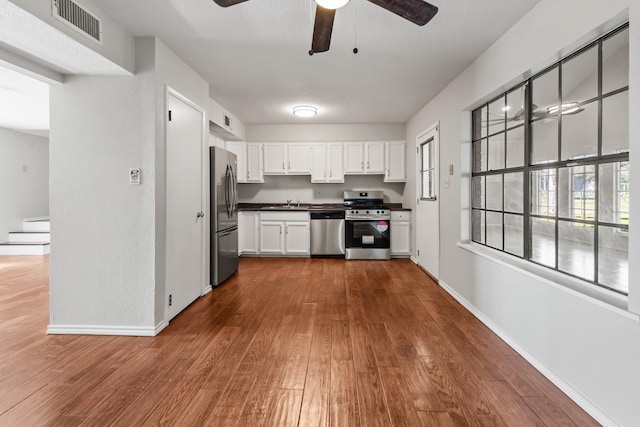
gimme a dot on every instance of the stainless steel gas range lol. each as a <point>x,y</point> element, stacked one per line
<point>367,225</point>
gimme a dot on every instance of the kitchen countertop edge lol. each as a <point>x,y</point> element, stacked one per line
<point>305,207</point>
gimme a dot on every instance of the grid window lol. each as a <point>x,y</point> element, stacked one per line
<point>550,175</point>
<point>427,169</point>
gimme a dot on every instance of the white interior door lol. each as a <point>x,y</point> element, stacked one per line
<point>184,228</point>
<point>428,204</point>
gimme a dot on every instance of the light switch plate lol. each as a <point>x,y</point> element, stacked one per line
<point>134,176</point>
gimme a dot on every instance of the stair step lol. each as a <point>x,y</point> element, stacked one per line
<point>37,226</point>
<point>34,248</point>
<point>29,237</point>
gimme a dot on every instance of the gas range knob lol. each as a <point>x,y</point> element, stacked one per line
<point>367,211</point>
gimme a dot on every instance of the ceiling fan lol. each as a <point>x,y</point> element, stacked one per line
<point>417,11</point>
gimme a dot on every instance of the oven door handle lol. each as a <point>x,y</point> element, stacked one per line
<point>368,218</point>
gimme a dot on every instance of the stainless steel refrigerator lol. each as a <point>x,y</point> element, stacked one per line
<point>224,209</point>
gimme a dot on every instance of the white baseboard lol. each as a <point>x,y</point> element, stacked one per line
<point>414,259</point>
<point>206,290</point>
<point>566,388</point>
<point>135,331</point>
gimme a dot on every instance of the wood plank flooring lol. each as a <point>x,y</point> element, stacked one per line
<point>285,342</point>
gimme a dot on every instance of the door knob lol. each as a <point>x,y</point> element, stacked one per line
<point>200,214</point>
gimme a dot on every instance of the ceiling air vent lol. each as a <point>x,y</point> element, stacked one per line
<point>78,18</point>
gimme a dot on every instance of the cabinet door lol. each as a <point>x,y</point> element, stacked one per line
<point>299,158</point>
<point>319,169</point>
<point>271,237</point>
<point>254,162</point>
<point>248,225</point>
<point>297,238</point>
<point>374,159</point>
<point>401,238</point>
<point>335,162</point>
<point>275,158</point>
<point>395,160</point>
<point>240,150</point>
<point>354,157</point>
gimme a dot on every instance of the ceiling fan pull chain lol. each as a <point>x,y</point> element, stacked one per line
<point>355,27</point>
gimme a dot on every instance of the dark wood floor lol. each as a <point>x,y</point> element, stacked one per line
<point>285,342</point>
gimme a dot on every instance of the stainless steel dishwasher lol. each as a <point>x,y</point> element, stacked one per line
<point>327,234</point>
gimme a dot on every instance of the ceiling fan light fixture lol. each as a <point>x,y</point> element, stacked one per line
<point>565,108</point>
<point>305,111</point>
<point>332,4</point>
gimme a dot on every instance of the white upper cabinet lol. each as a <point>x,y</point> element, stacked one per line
<point>327,164</point>
<point>395,160</point>
<point>335,162</point>
<point>374,157</point>
<point>240,150</point>
<point>254,162</point>
<point>290,158</point>
<point>353,157</point>
<point>364,157</point>
<point>275,158</point>
<point>299,158</point>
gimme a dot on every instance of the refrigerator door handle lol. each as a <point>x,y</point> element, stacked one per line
<point>234,187</point>
<point>228,191</point>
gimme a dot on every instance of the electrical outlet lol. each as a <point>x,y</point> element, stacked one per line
<point>318,193</point>
<point>170,299</point>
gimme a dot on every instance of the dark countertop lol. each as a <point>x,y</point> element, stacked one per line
<point>305,207</point>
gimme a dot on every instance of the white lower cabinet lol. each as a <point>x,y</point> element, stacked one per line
<point>400,233</point>
<point>248,232</point>
<point>284,233</point>
<point>296,237</point>
<point>271,237</point>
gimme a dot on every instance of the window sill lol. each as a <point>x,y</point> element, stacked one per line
<point>603,297</point>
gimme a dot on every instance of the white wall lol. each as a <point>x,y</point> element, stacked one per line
<point>117,45</point>
<point>587,345</point>
<point>102,270</point>
<point>24,179</point>
<point>321,133</point>
<point>107,272</point>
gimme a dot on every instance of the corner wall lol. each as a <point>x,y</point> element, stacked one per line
<point>589,348</point>
<point>24,179</point>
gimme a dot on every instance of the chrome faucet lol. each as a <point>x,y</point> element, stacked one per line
<point>288,202</point>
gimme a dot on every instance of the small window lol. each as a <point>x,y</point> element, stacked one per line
<point>427,169</point>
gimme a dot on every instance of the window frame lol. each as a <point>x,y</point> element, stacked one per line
<point>430,169</point>
<point>484,131</point>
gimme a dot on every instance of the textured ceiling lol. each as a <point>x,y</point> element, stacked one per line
<point>255,53</point>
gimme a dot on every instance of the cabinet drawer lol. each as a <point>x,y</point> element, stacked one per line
<point>400,215</point>
<point>284,216</point>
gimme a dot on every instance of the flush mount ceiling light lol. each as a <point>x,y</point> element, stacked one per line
<point>305,111</point>
<point>332,4</point>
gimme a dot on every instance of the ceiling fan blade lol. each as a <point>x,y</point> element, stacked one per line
<point>322,28</point>
<point>227,3</point>
<point>417,11</point>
